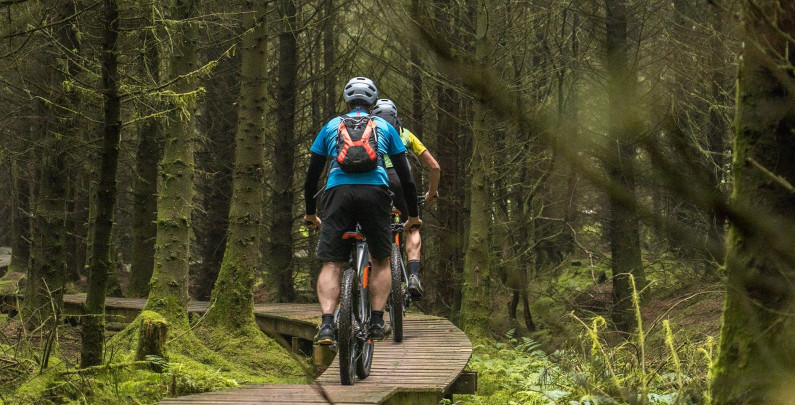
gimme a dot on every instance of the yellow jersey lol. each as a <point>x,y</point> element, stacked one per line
<point>412,143</point>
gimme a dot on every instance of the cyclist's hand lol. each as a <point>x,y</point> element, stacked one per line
<point>312,220</point>
<point>413,222</point>
<point>429,198</point>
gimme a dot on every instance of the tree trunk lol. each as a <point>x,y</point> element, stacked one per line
<point>148,152</point>
<point>329,58</point>
<point>475,305</point>
<point>281,243</point>
<point>232,296</point>
<point>417,123</point>
<point>100,263</point>
<point>20,216</point>
<point>716,134</point>
<point>622,128</point>
<point>152,338</point>
<point>451,142</point>
<point>77,219</point>
<point>44,291</point>
<point>168,288</point>
<point>216,157</point>
<point>755,358</point>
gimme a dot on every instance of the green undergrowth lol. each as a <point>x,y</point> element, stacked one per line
<point>199,360</point>
<point>517,371</point>
<point>576,357</point>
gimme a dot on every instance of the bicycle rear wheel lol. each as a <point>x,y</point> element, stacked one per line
<point>396,295</point>
<point>364,348</point>
<point>346,335</point>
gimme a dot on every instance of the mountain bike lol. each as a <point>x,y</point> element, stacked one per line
<point>352,317</point>
<point>399,296</point>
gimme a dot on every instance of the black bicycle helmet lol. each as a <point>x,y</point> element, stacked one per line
<point>387,110</point>
<point>385,106</point>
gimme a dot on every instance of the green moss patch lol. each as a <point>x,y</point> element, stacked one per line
<point>207,360</point>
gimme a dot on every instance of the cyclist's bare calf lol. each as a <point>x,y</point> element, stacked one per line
<point>328,286</point>
<point>380,283</point>
<point>413,244</point>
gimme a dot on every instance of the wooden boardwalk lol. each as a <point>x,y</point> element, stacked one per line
<point>428,365</point>
<point>420,370</point>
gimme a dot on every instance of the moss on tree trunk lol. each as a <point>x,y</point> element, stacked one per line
<point>232,298</point>
<point>168,294</point>
<point>756,358</point>
<point>152,334</point>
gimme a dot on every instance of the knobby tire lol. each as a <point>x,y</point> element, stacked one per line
<point>364,354</point>
<point>347,340</point>
<point>396,295</point>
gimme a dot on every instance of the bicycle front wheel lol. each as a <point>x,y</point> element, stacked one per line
<point>346,335</point>
<point>396,294</point>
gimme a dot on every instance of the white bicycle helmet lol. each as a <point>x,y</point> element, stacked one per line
<point>360,88</point>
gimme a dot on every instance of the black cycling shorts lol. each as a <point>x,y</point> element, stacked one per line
<point>398,199</point>
<point>344,206</point>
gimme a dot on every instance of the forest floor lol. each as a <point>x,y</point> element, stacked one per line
<point>516,365</point>
<point>576,357</point>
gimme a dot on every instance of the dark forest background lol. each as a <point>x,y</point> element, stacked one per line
<point>611,159</point>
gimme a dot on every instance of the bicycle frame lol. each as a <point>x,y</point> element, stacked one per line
<point>353,313</point>
<point>397,231</point>
<point>362,266</point>
<point>399,296</point>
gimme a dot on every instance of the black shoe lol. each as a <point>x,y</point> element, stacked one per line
<point>415,287</point>
<point>325,335</point>
<point>379,331</point>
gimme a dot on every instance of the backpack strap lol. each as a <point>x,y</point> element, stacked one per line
<point>364,141</point>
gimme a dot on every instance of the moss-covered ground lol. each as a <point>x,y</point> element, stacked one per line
<point>198,360</point>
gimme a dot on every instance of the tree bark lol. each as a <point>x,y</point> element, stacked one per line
<point>168,288</point>
<point>148,152</point>
<point>46,273</point>
<point>623,129</point>
<point>475,308</point>
<point>232,297</point>
<point>417,124</point>
<point>452,143</point>
<point>100,263</point>
<point>281,227</point>
<point>45,278</point>
<point>717,131</point>
<point>329,58</point>
<point>755,361</point>
<point>20,216</point>
<point>215,158</point>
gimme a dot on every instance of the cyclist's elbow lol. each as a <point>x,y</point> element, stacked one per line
<point>430,163</point>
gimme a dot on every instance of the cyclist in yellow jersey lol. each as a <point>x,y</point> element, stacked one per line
<point>387,110</point>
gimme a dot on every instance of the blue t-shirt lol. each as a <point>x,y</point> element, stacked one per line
<point>389,143</point>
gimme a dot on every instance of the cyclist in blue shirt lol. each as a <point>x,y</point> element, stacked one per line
<point>351,198</point>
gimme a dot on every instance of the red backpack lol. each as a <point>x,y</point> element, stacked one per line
<point>357,144</point>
